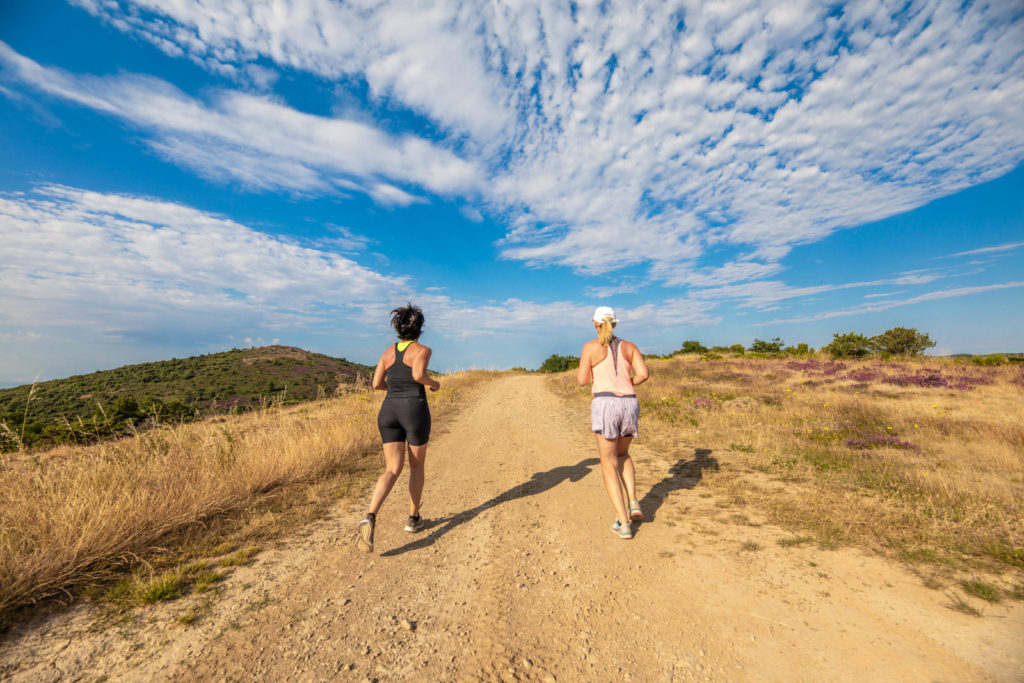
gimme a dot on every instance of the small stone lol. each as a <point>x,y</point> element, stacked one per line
<point>408,625</point>
<point>526,663</point>
<point>700,652</point>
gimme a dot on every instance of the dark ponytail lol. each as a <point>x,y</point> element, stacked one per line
<point>408,322</point>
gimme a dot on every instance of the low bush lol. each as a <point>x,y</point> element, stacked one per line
<point>849,345</point>
<point>992,359</point>
<point>557,363</point>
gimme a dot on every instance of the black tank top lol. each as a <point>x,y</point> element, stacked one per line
<point>400,381</point>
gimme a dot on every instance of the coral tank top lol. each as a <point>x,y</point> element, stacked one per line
<point>611,375</point>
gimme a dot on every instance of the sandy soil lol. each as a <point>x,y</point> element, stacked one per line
<point>517,577</point>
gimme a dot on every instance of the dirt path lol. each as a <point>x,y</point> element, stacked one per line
<point>517,577</point>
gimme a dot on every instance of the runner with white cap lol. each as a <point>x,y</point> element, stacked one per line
<point>616,366</point>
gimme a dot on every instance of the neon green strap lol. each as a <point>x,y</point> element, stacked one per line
<point>403,345</point>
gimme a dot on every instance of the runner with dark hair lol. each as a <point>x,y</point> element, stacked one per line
<point>404,418</point>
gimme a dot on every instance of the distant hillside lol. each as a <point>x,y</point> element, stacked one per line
<point>84,407</point>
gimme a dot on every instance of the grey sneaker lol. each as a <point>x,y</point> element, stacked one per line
<point>414,524</point>
<point>635,513</point>
<point>365,540</point>
<point>622,530</point>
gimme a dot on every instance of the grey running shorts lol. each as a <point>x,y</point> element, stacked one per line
<point>615,416</point>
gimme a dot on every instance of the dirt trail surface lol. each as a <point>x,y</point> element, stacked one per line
<point>517,577</point>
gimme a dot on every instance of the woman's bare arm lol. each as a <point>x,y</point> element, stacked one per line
<point>380,370</point>
<point>640,371</point>
<point>585,372</point>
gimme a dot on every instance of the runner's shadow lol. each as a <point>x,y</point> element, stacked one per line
<point>685,474</point>
<point>539,482</point>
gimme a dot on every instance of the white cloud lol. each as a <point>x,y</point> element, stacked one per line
<point>545,321</point>
<point>989,250</point>
<point>112,266</point>
<point>612,290</point>
<point>410,51</point>
<point>20,336</point>
<point>512,316</point>
<point>886,305</point>
<point>122,266</point>
<point>642,133</point>
<point>765,293</point>
<point>258,141</point>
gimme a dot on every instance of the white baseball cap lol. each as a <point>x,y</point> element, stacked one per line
<point>603,312</point>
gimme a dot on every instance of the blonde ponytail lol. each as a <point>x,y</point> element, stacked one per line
<point>604,334</point>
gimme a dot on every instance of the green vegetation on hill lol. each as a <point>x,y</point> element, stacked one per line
<point>82,408</point>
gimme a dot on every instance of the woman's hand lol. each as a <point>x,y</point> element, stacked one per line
<point>435,386</point>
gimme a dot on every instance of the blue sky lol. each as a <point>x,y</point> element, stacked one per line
<point>182,178</point>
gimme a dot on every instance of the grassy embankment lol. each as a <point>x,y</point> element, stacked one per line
<point>922,459</point>
<point>170,509</point>
<point>85,409</point>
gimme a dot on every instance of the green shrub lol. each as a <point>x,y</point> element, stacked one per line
<point>992,359</point>
<point>761,346</point>
<point>902,341</point>
<point>556,363</point>
<point>849,345</point>
<point>692,347</point>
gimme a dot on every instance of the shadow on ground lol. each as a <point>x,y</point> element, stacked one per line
<point>685,474</point>
<point>539,482</point>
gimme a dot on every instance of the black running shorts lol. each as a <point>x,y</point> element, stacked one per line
<point>404,419</point>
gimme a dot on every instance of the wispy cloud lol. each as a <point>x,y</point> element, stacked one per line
<point>989,250</point>
<point>761,294</point>
<point>259,141</point>
<point>886,305</point>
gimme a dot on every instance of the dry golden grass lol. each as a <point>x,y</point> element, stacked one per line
<point>71,516</point>
<point>929,473</point>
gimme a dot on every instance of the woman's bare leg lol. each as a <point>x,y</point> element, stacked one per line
<point>394,459</point>
<point>625,466</point>
<point>610,471</point>
<point>417,470</point>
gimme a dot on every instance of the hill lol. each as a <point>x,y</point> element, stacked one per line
<point>85,407</point>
